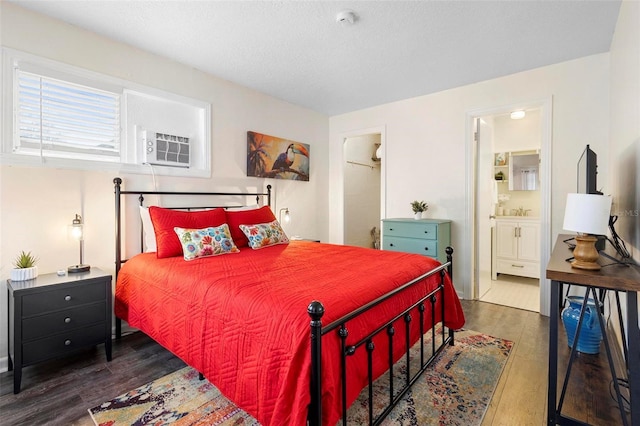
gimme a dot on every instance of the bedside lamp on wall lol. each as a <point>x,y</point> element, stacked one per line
<point>588,215</point>
<point>77,233</point>
<point>287,215</point>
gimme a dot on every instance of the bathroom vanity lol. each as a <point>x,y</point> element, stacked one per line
<point>516,246</point>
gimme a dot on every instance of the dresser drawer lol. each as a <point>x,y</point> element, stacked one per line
<point>63,321</point>
<point>67,297</point>
<point>418,229</point>
<point>411,245</point>
<point>50,347</point>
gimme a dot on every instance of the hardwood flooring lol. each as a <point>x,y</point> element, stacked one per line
<point>60,392</point>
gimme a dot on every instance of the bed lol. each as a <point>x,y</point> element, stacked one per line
<point>293,332</point>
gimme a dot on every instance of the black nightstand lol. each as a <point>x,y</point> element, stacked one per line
<point>52,316</point>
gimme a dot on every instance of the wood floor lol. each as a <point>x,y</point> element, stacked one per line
<point>60,392</point>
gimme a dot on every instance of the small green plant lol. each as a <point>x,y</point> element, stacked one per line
<point>25,260</point>
<point>419,206</point>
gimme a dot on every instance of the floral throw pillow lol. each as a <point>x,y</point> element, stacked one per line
<point>264,234</point>
<point>204,242</point>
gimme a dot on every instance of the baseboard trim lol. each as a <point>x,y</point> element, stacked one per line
<point>4,364</point>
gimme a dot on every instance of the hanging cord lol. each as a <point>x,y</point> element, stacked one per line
<point>617,242</point>
<point>153,175</point>
<point>155,186</point>
<point>619,245</point>
<point>622,384</point>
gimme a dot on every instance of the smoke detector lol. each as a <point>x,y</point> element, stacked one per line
<point>346,17</point>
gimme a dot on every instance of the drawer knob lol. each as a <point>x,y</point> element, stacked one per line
<point>426,248</point>
<point>390,244</point>
<point>390,229</point>
<point>426,232</point>
<point>67,342</point>
<point>67,320</point>
<point>67,298</point>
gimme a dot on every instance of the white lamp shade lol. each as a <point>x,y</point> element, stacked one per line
<point>587,213</point>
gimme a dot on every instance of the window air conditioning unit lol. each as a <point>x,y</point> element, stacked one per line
<point>166,150</point>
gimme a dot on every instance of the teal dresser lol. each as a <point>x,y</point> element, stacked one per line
<point>424,236</point>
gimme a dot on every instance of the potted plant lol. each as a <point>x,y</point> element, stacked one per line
<point>24,267</point>
<point>418,207</point>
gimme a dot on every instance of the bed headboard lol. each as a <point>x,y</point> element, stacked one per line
<point>209,200</point>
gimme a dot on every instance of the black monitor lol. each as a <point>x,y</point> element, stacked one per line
<point>588,172</point>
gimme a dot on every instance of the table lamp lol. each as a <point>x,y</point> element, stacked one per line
<point>77,233</point>
<point>287,215</point>
<point>588,215</point>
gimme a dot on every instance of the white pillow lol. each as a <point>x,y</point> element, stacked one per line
<point>243,208</point>
<point>147,230</point>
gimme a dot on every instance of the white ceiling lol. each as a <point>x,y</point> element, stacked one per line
<point>296,51</point>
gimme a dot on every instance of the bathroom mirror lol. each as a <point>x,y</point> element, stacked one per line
<point>523,172</point>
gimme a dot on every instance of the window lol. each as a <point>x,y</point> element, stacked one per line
<point>58,118</point>
<point>56,115</point>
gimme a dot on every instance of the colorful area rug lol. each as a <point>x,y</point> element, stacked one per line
<point>456,390</point>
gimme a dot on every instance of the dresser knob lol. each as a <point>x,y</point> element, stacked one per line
<point>67,320</point>
<point>67,298</point>
<point>391,245</point>
<point>426,248</point>
<point>67,342</point>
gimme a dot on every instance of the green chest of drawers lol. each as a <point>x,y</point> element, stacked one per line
<point>429,237</point>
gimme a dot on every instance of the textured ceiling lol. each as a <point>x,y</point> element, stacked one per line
<point>296,51</point>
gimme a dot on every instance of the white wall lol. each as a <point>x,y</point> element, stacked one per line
<point>425,142</point>
<point>624,137</point>
<point>361,190</point>
<point>517,135</point>
<point>37,204</point>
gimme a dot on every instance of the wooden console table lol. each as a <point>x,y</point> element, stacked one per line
<point>619,278</point>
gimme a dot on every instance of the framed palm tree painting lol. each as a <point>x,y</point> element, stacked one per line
<point>273,157</point>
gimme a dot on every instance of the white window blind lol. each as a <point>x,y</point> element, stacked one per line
<point>62,119</point>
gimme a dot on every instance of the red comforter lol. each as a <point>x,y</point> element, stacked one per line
<point>241,319</point>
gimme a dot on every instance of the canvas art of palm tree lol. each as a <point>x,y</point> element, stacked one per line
<point>273,157</point>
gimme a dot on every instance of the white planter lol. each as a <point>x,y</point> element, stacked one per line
<point>23,274</point>
<point>417,216</point>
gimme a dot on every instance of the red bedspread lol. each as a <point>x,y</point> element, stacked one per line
<point>241,319</point>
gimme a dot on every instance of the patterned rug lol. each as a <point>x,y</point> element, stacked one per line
<point>455,390</point>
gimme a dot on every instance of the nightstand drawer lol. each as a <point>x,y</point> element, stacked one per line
<point>411,245</point>
<point>63,321</point>
<point>418,229</point>
<point>50,347</point>
<point>52,300</point>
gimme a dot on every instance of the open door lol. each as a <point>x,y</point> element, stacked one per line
<point>486,199</point>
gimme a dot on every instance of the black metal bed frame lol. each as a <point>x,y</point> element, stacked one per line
<point>316,311</point>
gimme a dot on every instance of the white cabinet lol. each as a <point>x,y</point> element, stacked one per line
<point>517,247</point>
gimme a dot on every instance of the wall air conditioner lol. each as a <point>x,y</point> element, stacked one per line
<point>164,149</point>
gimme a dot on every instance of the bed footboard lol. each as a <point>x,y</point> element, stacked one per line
<point>316,311</point>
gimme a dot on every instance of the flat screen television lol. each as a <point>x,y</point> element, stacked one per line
<point>588,172</point>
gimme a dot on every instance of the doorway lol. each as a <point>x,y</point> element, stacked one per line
<point>508,243</point>
<point>508,249</point>
<point>362,190</point>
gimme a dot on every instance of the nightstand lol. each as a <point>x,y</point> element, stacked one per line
<point>52,316</point>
